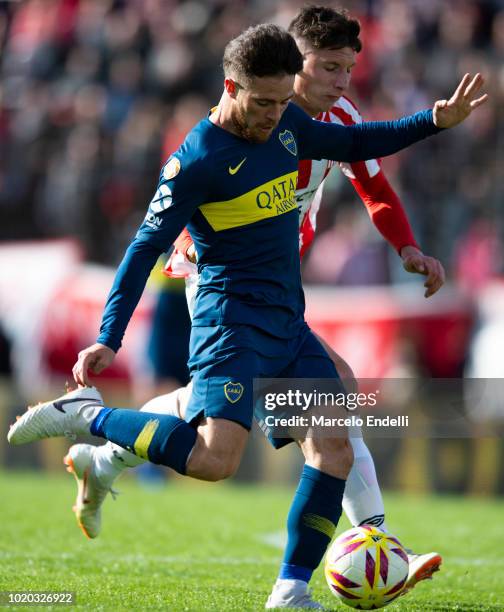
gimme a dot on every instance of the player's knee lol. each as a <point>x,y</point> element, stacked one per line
<point>210,464</point>
<point>224,468</point>
<point>218,449</point>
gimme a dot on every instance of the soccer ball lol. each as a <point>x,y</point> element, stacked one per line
<point>366,568</point>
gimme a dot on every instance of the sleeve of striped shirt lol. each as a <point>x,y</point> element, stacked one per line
<point>369,181</point>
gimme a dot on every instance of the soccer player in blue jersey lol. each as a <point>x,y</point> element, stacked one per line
<point>232,183</point>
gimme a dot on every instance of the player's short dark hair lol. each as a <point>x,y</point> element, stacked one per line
<point>326,28</point>
<point>260,51</point>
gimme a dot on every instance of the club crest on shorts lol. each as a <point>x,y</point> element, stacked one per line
<point>233,391</point>
<point>289,142</point>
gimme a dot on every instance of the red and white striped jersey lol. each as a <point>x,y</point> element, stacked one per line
<point>381,201</point>
<point>311,173</point>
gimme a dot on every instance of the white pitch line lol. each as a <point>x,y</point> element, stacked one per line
<point>199,561</point>
<point>148,559</point>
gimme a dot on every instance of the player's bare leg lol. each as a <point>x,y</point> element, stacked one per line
<point>333,456</point>
<point>218,450</point>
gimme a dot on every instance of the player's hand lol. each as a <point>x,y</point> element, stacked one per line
<point>448,113</point>
<point>416,262</point>
<point>95,358</point>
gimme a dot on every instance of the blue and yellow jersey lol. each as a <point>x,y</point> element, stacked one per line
<point>237,199</point>
<point>240,199</point>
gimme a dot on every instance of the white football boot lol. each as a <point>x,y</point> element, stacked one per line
<point>292,594</point>
<point>421,567</point>
<point>69,415</point>
<point>91,493</point>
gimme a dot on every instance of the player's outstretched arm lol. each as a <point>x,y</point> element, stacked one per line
<point>449,113</point>
<point>95,358</point>
<point>416,262</point>
<point>369,140</point>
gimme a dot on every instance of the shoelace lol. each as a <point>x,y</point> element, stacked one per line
<point>113,492</point>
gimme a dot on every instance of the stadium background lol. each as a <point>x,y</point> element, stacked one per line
<point>95,93</point>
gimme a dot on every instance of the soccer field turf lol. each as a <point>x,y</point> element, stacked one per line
<point>195,546</point>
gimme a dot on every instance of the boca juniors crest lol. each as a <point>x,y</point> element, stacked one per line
<point>233,391</point>
<point>289,142</point>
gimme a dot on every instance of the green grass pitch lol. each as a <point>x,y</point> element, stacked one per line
<point>196,546</point>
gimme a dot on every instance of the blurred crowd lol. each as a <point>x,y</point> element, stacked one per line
<point>94,94</point>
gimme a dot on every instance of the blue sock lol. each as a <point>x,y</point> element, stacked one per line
<point>312,520</point>
<point>159,438</point>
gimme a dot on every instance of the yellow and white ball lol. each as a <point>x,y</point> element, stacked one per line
<point>366,568</point>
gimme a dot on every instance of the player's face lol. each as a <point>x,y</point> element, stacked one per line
<point>259,106</point>
<point>325,77</point>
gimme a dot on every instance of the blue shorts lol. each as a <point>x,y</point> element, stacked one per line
<point>225,360</point>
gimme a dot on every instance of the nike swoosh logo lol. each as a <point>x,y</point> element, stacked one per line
<point>236,168</point>
<point>60,403</point>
